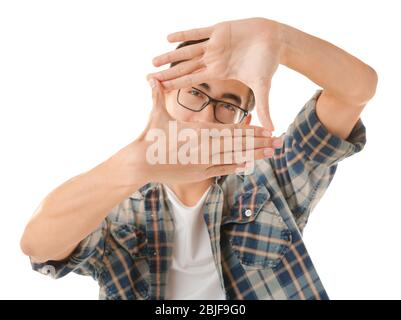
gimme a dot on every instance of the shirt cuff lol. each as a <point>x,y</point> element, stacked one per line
<point>319,145</point>
<point>84,250</point>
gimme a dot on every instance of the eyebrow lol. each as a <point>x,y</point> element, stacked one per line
<point>226,95</point>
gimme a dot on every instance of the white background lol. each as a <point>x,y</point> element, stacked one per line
<point>73,92</point>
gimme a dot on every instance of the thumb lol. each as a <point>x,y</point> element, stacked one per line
<point>262,105</point>
<point>158,97</point>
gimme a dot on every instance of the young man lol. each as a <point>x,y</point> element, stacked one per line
<point>200,231</point>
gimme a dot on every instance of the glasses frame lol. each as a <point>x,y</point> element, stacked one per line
<point>214,104</point>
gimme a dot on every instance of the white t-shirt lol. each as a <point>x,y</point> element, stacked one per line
<point>192,274</point>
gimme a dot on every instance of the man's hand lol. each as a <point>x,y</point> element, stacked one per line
<point>136,153</point>
<point>246,50</point>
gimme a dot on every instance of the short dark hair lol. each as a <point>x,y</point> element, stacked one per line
<point>251,97</point>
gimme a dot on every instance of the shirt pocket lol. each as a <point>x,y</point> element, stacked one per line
<point>125,265</point>
<point>257,233</point>
<point>127,238</point>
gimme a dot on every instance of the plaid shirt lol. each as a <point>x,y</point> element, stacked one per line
<point>255,223</point>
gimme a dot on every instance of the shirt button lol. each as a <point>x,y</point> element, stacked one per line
<point>49,270</point>
<point>248,212</point>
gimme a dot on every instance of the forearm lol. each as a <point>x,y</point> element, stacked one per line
<point>330,67</point>
<point>77,207</point>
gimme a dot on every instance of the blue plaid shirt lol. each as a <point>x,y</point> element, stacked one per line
<point>255,223</point>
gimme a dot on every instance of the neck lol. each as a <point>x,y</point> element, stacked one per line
<point>190,193</point>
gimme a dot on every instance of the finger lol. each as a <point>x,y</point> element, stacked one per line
<point>185,53</point>
<point>223,170</point>
<point>261,153</point>
<point>242,156</point>
<point>159,102</point>
<point>223,130</point>
<point>192,34</point>
<point>186,81</point>
<point>226,145</point>
<point>261,92</point>
<point>177,71</point>
<point>278,142</point>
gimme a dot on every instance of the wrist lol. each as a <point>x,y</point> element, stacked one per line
<point>284,36</point>
<point>128,167</point>
<point>294,44</point>
<point>276,35</point>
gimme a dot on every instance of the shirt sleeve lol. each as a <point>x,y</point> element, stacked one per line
<point>84,260</point>
<point>305,165</point>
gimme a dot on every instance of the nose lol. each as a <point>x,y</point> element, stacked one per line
<point>206,115</point>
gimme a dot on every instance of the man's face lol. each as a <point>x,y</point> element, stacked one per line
<point>230,91</point>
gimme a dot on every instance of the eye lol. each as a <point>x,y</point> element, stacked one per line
<point>228,107</point>
<point>195,93</point>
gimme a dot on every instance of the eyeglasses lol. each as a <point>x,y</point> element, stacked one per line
<point>224,112</point>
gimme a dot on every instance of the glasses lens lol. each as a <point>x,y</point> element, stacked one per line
<point>227,113</point>
<point>192,98</point>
